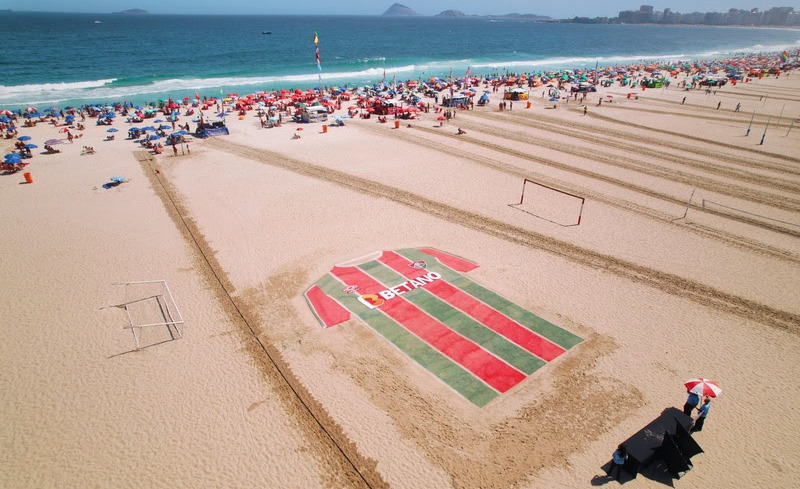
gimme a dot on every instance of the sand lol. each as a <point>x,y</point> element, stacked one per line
<point>685,264</point>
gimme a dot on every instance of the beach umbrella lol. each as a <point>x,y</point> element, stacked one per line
<point>703,387</point>
<point>63,129</point>
<point>51,142</point>
<point>117,179</point>
<point>4,119</point>
<point>13,158</point>
<point>24,138</point>
<point>31,146</point>
<point>166,126</point>
<point>159,120</point>
<point>113,129</point>
<point>153,137</point>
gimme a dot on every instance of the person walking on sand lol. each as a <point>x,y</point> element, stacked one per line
<point>702,414</point>
<point>618,462</point>
<point>718,105</point>
<point>585,109</point>
<point>738,106</point>
<point>691,403</point>
<point>683,101</point>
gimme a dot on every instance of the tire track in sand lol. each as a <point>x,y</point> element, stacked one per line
<point>665,282</point>
<point>624,184</point>
<point>460,151</point>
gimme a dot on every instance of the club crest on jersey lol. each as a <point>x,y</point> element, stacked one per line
<point>350,289</point>
<point>419,265</point>
<point>374,301</point>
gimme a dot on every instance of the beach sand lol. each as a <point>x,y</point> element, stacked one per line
<point>685,263</point>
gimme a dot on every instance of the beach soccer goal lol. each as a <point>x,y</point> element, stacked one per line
<point>550,204</point>
<point>153,315</point>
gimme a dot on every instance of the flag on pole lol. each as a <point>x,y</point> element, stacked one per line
<point>784,57</point>
<point>197,96</point>
<point>319,62</point>
<point>467,76</point>
<point>451,84</point>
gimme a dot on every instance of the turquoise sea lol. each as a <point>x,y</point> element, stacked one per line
<point>68,59</point>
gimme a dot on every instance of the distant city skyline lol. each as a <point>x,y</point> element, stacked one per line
<point>557,10</point>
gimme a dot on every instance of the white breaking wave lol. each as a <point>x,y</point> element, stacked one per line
<point>53,87</point>
<point>52,93</point>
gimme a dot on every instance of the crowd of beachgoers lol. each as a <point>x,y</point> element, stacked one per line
<point>402,99</point>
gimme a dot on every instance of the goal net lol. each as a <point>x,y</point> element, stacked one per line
<point>550,204</point>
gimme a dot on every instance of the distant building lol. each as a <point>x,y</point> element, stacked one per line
<point>776,16</point>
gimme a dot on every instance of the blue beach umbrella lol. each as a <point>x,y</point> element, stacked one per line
<point>13,158</point>
<point>24,138</point>
<point>159,120</point>
<point>31,146</point>
<point>153,137</point>
<point>113,129</point>
<point>118,179</point>
<point>165,126</point>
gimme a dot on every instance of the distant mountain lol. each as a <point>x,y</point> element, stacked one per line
<point>518,17</point>
<point>132,11</point>
<point>398,10</point>
<point>457,14</point>
<point>451,14</point>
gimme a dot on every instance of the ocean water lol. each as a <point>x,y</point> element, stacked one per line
<point>68,59</point>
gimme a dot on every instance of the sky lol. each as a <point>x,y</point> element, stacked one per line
<point>559,10</point>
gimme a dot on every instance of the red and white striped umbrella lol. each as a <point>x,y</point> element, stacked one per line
<point>703,387</point>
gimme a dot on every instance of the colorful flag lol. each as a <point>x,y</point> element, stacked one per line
<point>785,57</point>
<point>316,43</point>
<point>196,95</point>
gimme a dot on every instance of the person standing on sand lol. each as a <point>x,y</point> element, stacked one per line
<point>585,109</point>
<point>718,105</point>
<point>618,462</point>
<point>691,403</point>
<point>738,106</point>
<point>702,414</point>
<point>683,101</point>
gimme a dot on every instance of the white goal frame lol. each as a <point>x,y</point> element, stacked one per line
<point>169,309</point>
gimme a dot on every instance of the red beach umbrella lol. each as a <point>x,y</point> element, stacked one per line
<point>703,387</point>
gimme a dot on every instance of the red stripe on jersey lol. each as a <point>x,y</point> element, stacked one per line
<point>469,355</point>
<point>454,262</point>
<point>328,310</point>
<point>484,314</point>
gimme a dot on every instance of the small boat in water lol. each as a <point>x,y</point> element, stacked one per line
<point>97,22</point>
<point>266,32</point>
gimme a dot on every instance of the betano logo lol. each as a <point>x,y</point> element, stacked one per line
<point>374,301</point>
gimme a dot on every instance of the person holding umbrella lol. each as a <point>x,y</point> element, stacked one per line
<point>707,389</point>
<point>702,414</point>
<point>691,403</point>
